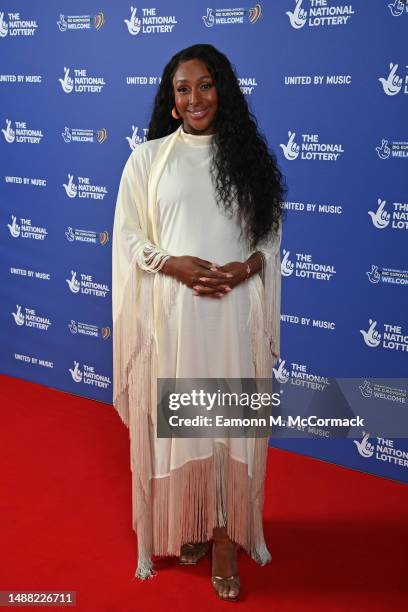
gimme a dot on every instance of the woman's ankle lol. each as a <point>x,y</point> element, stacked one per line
<point>220,533</point>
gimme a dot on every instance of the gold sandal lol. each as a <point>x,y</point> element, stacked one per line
<point>198,549</point>
<point>223,581</point>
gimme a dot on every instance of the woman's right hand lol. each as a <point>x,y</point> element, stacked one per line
<point>189,270</point>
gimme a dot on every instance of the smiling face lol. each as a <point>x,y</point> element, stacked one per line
<point>195,96</point>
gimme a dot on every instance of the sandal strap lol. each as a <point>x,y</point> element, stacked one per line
<point>194,545</point>
<point>197,550</point>
<point>234,577</point>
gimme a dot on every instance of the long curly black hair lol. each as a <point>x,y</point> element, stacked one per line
<point>243,168</point>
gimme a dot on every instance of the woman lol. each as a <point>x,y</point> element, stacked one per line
<point>196,294</point>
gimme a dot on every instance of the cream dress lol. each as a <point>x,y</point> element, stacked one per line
<point>193,484</point>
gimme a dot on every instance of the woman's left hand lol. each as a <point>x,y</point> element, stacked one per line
<point>209,286</point>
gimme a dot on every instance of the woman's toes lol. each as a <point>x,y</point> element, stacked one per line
<point>233,592</point>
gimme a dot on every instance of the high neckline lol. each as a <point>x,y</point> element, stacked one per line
<point>195,140</point>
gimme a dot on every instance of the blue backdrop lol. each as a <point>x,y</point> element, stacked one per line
<point>328,82</point>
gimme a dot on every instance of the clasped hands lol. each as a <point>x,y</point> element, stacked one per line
<point>205,277</point>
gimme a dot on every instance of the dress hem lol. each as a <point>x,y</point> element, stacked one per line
<point>200,495</point>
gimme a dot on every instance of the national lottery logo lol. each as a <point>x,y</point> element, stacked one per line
<point>73,327</point>
<point>8,132</point>
<point>392,336</point>
<point>29,318</point>
<point>380,217</point>
<point>364,446</point>
<point>133,24</point>
<point>383,450</point>
<point>304,267</point>
<point>149,22</point>
<point>209,18</point>
<point>70,188</point>
<point>14,227</point>
<point>16,25</point>
<point>371,336</point>
<point>383,151</point>
<point>297,17</point>
<point>21,133</point>
<point>73,283</point>
<point>297,374</point>
<point>85,284</point>
<point>66,82</point>
<point>398,7</point>
<point>81,22</point>
<point>366,389</point>
<point>310,148</point>
<point>287,266</point>
<point>76,373</point>
<point>26,229</point>
<point>88,376</point>
<point>3,26</point>
<point>229,16</point>
<point>291,148</point>
<point>397,219</point>
<point>392,84</point>
<point>281,374</point>
<point>83,188</point>
<point>79,82</point>
<point>18,316</point>
<point>70,235</point>
<point>136,138</point>
<point>84,136</point>
<point>319,14</point>
<point>374,275</point>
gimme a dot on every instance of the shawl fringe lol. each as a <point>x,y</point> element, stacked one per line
<point>198,496</point>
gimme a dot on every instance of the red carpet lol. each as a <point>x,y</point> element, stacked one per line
<point>339,539</point>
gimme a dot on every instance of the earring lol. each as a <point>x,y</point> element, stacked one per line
<point>174,113</point>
